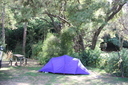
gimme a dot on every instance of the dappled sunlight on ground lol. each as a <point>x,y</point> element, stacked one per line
<point>29,75</point>
<point>3,69</point>
<point>13,83</point>
<point>33,71</point>
<point>22,84</point>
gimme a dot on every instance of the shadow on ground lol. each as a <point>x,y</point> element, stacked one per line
<point>29,75</point>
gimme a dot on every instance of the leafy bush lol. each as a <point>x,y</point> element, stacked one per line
<point>91,57</point>
<point>49,48</point>
<point>37,30</point>
<point>66,43</point>
<point>76,55</point>
<point>36,49</point>
<point>114,62</point>
<point>54,45</point>
<point>103,62</point>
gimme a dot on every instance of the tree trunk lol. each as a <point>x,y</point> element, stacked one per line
<point>81,42</point>
<point>110,15</point>
<point>57,26</point>
<point>24,38</point>
<point>3,22</point>
<point>95,37</point>
<point>121,65</point>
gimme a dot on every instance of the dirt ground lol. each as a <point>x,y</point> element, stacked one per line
<point>30,63</point>
<point>29,75</point>
<point>13,73</point>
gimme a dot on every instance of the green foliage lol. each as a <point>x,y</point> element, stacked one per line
<point>86,12</point>
<point>91,57</point>
<point>48,49</point>
<point>103,61</point>
<point>37,52</point>
<point>36,49</point>
<point>106,37</point>
<point>51,46</point>
<point>76,55</point>
<point>36,31</point>
<point>115,41</point>
<point>66,37</point>
<point>85,15</point>
<point>113,63</point>
<point>13,39</point>
<point>54,45</point>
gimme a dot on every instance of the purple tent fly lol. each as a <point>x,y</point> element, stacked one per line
<point>65,65</point>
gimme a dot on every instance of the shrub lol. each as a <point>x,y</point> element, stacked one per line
<point>76,55</point>
<point>103,62</point>
<point>114,62</point>
<point>66,43</point>
<point>36,49</point>
<point>91,57</point>
<point>49,48</point>
<point>55,45</point>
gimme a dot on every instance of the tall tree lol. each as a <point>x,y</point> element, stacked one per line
<point>116,7</point>
<point>3,23</point>
<point>23,13</point>
<point>7,19</point>
<point>82,16</point>
<point>24,37</point>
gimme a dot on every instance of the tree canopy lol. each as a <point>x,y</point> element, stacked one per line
<point>85,19</point>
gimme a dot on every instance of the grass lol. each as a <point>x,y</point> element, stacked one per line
<point>31,76</point>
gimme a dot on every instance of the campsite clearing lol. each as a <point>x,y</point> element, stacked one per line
<point>29,75</point>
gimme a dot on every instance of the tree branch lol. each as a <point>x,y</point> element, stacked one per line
<point>45,20</point>
<point>112,14</point>
<point>119,7</point>
<point>63,20</point>
<point>122,23</point>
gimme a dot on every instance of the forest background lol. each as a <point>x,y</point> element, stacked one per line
<point>94,31</point>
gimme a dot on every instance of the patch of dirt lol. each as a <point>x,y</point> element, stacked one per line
<point>30,63</point>
<point>18,76</point>
<point>29,75</point>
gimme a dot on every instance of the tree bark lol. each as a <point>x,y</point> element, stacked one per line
<point>110,15</point>
<point>24,38</point>
<point>3,24</point>
<point>81,43</point>
<point>121,65</point>
<point>53,23</point>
